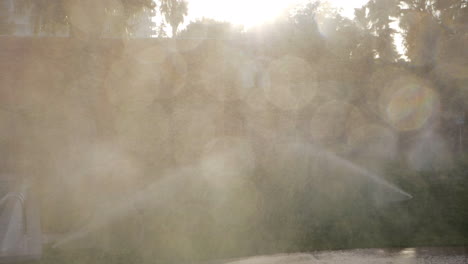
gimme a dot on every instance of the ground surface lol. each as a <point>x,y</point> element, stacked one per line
<point>456,255</point>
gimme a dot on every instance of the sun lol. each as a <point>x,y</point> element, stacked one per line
<point>251,13</point>
<point>247,13</point>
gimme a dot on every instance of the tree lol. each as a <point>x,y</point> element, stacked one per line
<point>174,12</point>
<point>376,18</point>
<point>88,17</point>
<point>428,24</point>
<point>210,28</point>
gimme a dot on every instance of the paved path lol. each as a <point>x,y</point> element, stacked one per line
<point>455,255</point>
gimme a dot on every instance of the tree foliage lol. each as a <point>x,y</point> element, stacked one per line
<point>174,12</point>
<point>111,17</point>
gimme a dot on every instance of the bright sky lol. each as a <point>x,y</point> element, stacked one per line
<point>250,13</point>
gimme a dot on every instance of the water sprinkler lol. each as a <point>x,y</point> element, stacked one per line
<point>20,232</point>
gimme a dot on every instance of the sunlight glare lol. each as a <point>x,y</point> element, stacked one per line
<point>250,13</point>
<point>242,12</point>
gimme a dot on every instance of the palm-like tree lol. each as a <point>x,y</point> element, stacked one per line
<point>174,12</point>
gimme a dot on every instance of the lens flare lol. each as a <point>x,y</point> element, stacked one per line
<point>271,125</point>
<point>145,131</point>
<point>143,75</point>
<point>132,88</point>
<point>326,25</point>
<point>193,126</point>
<point>228,74</point>
<point>332,120</point>
<point>227,158</point>
<point>292,83</point>
<point>411,105</point>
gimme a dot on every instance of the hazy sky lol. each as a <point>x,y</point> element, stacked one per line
<point>254,12</point>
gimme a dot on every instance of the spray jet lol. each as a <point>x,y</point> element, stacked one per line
<point>163,191</point>
<point>21,234</point>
